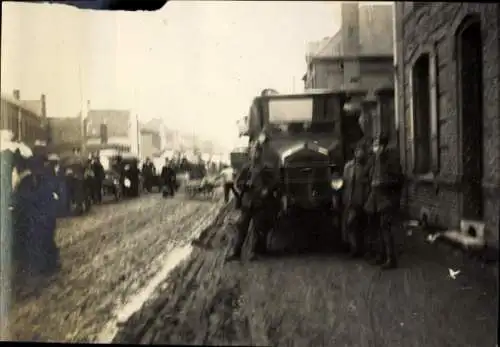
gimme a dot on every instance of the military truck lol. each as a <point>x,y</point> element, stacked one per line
<point>304,140</point>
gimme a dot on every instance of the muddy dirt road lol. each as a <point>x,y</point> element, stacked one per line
<point>106,256</point>
<point>321,300</point>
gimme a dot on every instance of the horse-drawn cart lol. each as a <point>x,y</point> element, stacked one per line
<point>204,187</point>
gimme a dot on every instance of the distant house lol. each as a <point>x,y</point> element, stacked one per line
<point>26,119</point>
<point>358,56</point>
<point>116,129</point>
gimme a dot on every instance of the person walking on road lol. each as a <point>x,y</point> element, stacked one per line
<point>98,178</point>
<point>148,170</point>
<point>227,175</point>
<point>384,198</point>
<point>168,179</point>
<point>356,178</point>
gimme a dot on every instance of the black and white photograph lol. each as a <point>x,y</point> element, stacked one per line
<point>250,173</point>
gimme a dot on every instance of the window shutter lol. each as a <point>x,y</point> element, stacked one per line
<point>434,116</point>
<point>410,137</point>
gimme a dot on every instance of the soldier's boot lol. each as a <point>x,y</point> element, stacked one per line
<point>241,233</point>
<point>387,239</point>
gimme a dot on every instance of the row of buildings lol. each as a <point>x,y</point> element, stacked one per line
<point>439,65</point>
<point>26,119</point>
<point>100,129</point>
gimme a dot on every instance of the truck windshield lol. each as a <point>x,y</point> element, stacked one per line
<point>298,115</point>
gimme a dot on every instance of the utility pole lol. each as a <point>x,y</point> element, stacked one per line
<point>83,111</point>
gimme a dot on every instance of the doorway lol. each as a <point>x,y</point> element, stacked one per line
<point>470,104</point>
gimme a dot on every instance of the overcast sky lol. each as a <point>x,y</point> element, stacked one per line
<point>197,64</point>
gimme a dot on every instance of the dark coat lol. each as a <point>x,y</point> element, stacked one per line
<point>356,176</point>
<point>386,181</point>
<point>258,185</point>
<point>148,169</point>
<point>168,174</point>
<point>35,213</point>
<point>98,170</point>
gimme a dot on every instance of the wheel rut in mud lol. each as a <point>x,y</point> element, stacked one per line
<point>198,285</point>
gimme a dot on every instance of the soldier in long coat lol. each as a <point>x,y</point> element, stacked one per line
<point>384,198</point>
<point>357,187</point>
<point>254,193</point>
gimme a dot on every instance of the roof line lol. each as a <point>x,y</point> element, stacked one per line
<point>19,103</point>
<point>320,51</point>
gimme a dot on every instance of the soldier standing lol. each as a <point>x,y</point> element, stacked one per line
<point>356,178</point>
<point>243,202</point>
<point>255,197</point>
<point>384,198</point>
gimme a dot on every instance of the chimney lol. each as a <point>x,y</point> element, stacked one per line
<point>350,28</point>
<point>43,106</point>
<point>17,94</point>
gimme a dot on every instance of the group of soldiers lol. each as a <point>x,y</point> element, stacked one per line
<point>371,195</point>
<point>168,174</point>
<point>373,182</point>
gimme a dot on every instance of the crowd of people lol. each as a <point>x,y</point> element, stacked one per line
<point>39,188</point>
<point>30,190</point>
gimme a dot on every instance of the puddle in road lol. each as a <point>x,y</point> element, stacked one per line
<point>174,258</point>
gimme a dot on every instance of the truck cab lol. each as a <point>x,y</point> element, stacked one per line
<point>306,138</point>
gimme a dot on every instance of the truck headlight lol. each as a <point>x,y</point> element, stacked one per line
<point>126,183</point>
<point>337,183</point>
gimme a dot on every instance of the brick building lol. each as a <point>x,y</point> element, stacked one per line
<point>359,55</point>
<point>25,118</point>
<point>447,62</point>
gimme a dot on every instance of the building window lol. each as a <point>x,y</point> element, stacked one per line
<point>424,115</point>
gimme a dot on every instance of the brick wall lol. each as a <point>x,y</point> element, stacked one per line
<point>435,25</point>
